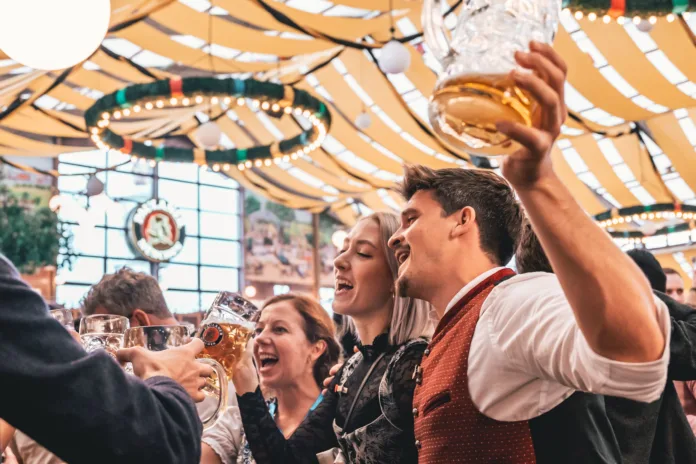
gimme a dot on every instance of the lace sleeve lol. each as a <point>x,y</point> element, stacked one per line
<point>403,384</point>
<point>266,441</point>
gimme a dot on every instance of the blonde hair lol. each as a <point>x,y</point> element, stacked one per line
<point>411,318</point>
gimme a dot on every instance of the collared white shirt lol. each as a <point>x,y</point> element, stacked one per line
<point>470,286</point>
<point>528,354</point>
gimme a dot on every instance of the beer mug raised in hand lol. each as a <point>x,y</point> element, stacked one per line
<point>474,90</point>
<point>226,329</point>
<point>159,338</point>
<point>103,331</point>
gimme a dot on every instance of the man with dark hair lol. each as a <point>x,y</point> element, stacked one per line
<point>675,285</point>
<point>503,377</point>
<point>650,266</point>
<point>131,294</point>
<point>83,407</point>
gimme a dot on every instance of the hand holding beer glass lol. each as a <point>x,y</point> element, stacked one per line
<point>160,338</point>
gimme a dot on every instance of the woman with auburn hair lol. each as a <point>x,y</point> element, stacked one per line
<point>294,349</point>
<point>366,415</point>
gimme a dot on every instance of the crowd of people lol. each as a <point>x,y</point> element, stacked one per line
<point>582,356</point>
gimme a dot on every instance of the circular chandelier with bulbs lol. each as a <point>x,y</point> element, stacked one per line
<point>636,223</point>
<point>276,99</point>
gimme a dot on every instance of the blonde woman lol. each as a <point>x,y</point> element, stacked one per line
<point>367,410</point>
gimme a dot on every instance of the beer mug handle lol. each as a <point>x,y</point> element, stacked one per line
<point>434,31</point>
<point>222,397</point>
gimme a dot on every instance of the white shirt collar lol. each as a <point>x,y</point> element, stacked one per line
<point>470,286</point>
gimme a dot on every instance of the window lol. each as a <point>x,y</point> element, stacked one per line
<point>211,257</point>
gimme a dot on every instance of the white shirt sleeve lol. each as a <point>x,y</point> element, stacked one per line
<point>528,331</point>
<point>225,436</point>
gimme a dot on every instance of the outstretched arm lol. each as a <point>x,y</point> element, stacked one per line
<point>609,295</point>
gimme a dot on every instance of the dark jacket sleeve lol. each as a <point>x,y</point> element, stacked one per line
<point>267,443</point>
<point>84,408</point>
<point>682,361</point>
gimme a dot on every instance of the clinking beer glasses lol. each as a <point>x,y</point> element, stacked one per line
<point>103,331</point>
<point>226,329</point>
<point>159,338</point>
<point>474,90</point>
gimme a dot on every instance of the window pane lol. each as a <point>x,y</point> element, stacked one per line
<point>87,240</point>
<point>179,276</point>
<point>85,270</point>
<point>178,171</point>
<point>220,253</point>
<point>72,184</point>
<point>95,158</point>
<point>113,265</point>
<point>117,244</point>
<point>71,296</point>
<point>207,299</point>
<point>182,302</point>
<point>118,216</point>
<point>72,210</point>
<point>220,225</point>
<point>180,194</point>
<point>219,279</point>
<point>189,253</point>
<point>217,178</point>
<point>190,218</point>
<point>121,185</point>
<point>217,199</point>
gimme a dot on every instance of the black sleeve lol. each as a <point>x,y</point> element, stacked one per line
<point>56,393</point>
<point>682,345</point>
<point>268,444</point>
<point>404,384</point>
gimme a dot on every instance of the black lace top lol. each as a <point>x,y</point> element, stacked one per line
<point>375,433</point>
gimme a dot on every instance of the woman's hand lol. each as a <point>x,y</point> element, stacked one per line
<point>332,374</point>
<point>245,377</point>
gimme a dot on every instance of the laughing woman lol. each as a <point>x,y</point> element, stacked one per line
<point>295,348</point>
<point>367,412</point>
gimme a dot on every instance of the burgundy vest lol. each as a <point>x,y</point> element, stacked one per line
<point>448,427</point>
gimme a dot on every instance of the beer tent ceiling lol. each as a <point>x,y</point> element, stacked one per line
<point>629,141</point>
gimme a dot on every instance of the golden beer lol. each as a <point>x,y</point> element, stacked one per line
<point>464,110</point>
<point>225,342</point>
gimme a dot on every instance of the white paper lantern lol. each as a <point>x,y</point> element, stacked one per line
<point>209,135</point>
<point>649,228</point>
<point>94,186</point>
<point>363,121</point>
<point>644,26</point>
<point>394,57</point>
<point>338,238</point>
<point>51,34</point>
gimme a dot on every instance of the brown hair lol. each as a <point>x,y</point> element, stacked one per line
<point>125,291</point>
<point>669,270</point>
<point>530,256</point>
<point>498,213</point>
<point>317,326</point>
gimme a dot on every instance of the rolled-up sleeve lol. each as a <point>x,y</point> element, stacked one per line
<point>532,324</point>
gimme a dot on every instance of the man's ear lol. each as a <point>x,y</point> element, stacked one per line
<point>465,217</point>
<point>140,318</point>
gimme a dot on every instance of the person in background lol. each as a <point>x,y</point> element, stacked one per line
<point>103,414</point>
<point>367,409</point>
<point>657,432</point>
<point>529,255</point>
<point>675,285</point>
<point>691,297</point>
<point>294,349</point>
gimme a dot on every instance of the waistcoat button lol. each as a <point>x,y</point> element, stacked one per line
<point>418,444</point>
<point>415,412</point>
<point>426,352</point>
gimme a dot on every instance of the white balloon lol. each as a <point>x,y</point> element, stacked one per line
<point>209,135</point>
<point>644,26</point>
<point>51,34</point>
<point>394,57</point>
<point>649,228</point>
<point>363,121</point>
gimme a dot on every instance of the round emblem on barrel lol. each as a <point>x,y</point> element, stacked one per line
<point>212,334</point>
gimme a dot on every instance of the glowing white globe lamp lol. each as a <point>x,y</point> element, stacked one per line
<point>394,57</point>
<point>363,121</point>
<point>250,291</point>
<point>50,34</point>
<point>338,238</point>
<point>209,135</point>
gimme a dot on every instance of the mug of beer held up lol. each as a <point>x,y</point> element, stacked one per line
<point>103,331</point>
<point>226,329</point>
<point>159,338</point>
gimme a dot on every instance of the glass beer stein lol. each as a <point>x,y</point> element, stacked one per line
<point>159,338</point>
<point>103,331</point>
<point>474,90</point>
<point>226,329</point>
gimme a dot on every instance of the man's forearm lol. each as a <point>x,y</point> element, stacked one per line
<point>608,293</point>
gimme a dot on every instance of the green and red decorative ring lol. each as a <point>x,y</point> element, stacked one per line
<point>660,211</point>
<point>620,10</point>
<point>272,97</point>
